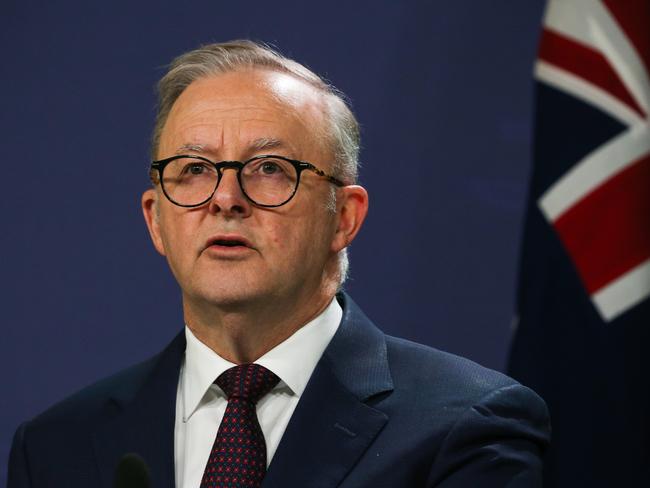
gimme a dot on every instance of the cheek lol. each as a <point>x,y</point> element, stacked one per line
<point>309,238</point>
<point>276,239</point>
<point>178,233</point>
<point>287,240</point>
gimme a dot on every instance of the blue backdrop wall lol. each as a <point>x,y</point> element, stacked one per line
<point>443,91</point>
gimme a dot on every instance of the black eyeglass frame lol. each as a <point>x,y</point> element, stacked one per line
<point>300,166</point>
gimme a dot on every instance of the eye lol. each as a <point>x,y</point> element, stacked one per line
<point>195,169</point>
<point>270,168</point>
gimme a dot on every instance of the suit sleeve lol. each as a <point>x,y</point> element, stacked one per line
<point>18,476</point>
<point>498,442</point>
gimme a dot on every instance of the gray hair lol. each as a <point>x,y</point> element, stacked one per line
<point>221,58</point>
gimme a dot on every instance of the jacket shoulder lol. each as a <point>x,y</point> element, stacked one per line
<point>469,416</point>
<point>424,361</point>
<point>433,376</point>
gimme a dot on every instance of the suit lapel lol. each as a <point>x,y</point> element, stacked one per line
<point>332,425</point>
<point>141,421</point>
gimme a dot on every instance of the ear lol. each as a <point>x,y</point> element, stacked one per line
<point>150,210</point>
<point>351,209</point>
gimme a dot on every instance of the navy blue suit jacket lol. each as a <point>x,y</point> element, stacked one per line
<point>377,412</point>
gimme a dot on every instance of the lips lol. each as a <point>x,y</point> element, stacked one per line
<point>229,241</point>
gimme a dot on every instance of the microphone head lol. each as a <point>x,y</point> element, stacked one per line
<point>132,472</point>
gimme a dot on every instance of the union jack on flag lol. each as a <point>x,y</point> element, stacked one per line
<point>599,52</point>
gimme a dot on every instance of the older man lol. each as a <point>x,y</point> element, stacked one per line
<point>276,378</point>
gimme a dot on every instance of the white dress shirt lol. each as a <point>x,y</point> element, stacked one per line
<point>200,404</point>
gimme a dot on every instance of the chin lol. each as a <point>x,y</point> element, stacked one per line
<point>239,293</point>
<point>225,298</point>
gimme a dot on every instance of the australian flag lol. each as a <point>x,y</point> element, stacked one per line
<point>583,318</point>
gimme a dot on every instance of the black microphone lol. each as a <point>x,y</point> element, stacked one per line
<point>132,472</point>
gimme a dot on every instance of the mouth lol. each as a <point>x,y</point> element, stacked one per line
<point>228,242</point>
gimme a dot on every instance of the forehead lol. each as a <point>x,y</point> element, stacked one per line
<point>232,112</point>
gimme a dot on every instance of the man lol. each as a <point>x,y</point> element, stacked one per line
<point>276,379</point>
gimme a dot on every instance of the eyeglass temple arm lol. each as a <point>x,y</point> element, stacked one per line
<point>319,172</point>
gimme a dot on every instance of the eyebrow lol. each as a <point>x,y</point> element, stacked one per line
<point>190,147</point>
<point>260,144</point>
<point>264,143</point>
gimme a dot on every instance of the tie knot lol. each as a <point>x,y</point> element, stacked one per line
<point>248,381</point>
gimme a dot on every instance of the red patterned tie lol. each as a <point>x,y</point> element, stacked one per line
<point>238,456</point>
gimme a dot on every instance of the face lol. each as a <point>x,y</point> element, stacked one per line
<point>229,251</point>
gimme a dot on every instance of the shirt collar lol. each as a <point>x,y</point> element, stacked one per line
<point>293,360</point>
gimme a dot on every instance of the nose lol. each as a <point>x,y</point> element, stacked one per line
<point>228,199</point>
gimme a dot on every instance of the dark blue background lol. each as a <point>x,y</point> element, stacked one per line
<point>443,91</point>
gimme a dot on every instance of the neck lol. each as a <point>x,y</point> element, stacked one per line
<point>243,332</point>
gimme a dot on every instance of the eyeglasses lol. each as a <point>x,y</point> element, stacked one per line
<point>267,181</point>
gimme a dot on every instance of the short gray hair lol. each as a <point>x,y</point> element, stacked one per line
<point>220,58</point>
<point>215,59</point>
